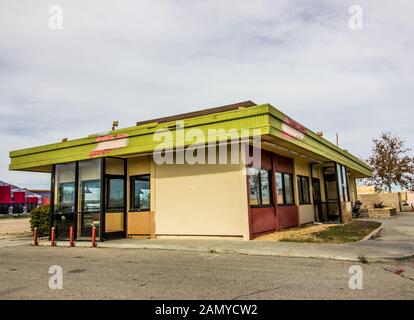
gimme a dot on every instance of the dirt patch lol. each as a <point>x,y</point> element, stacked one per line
<point>295,232</point>
<point>325,233</point>
<point>14,227</point>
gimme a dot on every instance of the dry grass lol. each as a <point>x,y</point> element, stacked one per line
<point>325,233</point>
<point>296,232</point>
<point>12,227</point>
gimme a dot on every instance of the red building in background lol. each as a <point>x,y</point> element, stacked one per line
<point>15,200</point>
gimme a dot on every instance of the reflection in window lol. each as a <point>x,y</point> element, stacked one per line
<point>115,192</point>
<point>341,173</point>
<point>65,188</point>
<point>265,187</point>
<point>288,180</point>
<point>284,188</point>
<point>303,190</point>
<point>345,183</point>
<point>140,193</point>
<point>259,187</point>
<point>66,201</point>
<point>91,192</point>
<point>279,188</point>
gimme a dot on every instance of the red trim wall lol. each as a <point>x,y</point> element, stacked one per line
<point>19,196</point>
<point>32,199</point>
<point>272,218</point>
<point>5,194</point>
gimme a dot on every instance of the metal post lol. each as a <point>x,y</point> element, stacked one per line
<point>52,240</point>
<point>93,237</point>
<point>71,236</point>
<point>35,243</point>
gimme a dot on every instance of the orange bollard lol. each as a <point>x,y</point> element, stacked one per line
<point>35,243</point>
<point>71,236</point>
<point>52,237</point>
<point>93,237</point>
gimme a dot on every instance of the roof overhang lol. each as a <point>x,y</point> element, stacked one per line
<point>270,123</point>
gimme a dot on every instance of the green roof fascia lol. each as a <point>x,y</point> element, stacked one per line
<point>264,117</point>
<point>316,144</point>
<point>140,138</point>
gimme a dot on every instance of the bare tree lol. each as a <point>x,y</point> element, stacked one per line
<point>391,164</point>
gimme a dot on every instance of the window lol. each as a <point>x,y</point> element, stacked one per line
<point>66,198</point>
<point>140,193</point>
<point>31,206</point>
<point>4,208</point>
<point>303,190</point>
<point>115,194</point>
<point>64,188</point>
<point>260,193</point>
<point>18,207</point>
<point>91,195</point>
<point>284,188</point>
<point>341,173</point>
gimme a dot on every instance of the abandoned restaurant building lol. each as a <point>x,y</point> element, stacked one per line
<point>112,181</point>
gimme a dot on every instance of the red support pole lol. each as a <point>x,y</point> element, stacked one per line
<point>35,243</point>
<point>52,237</point>
<point>71,236</point>
<point>93,236</point>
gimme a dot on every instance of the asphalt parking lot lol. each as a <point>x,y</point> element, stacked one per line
<point>106,273</point>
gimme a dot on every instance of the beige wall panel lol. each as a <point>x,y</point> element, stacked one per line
<point>306,214</point>
<point>141,223</point>
<point>139,165</point>
<point>201,200</point>
<point>114,222</point>
<point>114,166</point>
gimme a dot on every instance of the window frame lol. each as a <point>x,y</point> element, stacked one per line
<point>109,177</point>
<point>83,194</point>
<point>132,179</point>
<point>269,178</point>
<point>285,204</point>
<point>60,193</point>
<point>301,192</point>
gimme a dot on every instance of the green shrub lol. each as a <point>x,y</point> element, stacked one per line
<point>40,218</point>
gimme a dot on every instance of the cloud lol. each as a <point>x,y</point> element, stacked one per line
<point>143,59</point>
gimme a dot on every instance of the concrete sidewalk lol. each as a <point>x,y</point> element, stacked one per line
<point>396,242</point>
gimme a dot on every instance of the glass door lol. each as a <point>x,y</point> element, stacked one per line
<point>64,188</point>
<point>317,199</point>
<point>89,198</point>
<point>331,194</point>
<point>115,198</point>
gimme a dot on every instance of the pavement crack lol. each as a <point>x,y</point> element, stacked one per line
<point>254,292</point>
<point>398,273</point>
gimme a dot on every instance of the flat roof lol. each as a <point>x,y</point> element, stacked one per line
<point>264,118</point>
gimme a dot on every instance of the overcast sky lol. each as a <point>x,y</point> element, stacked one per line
<point>136,60</point>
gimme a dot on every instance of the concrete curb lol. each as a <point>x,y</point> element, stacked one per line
<point>344,256</point>
<point>373,234</point>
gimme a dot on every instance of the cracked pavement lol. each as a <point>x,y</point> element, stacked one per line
<point>162,274</point>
